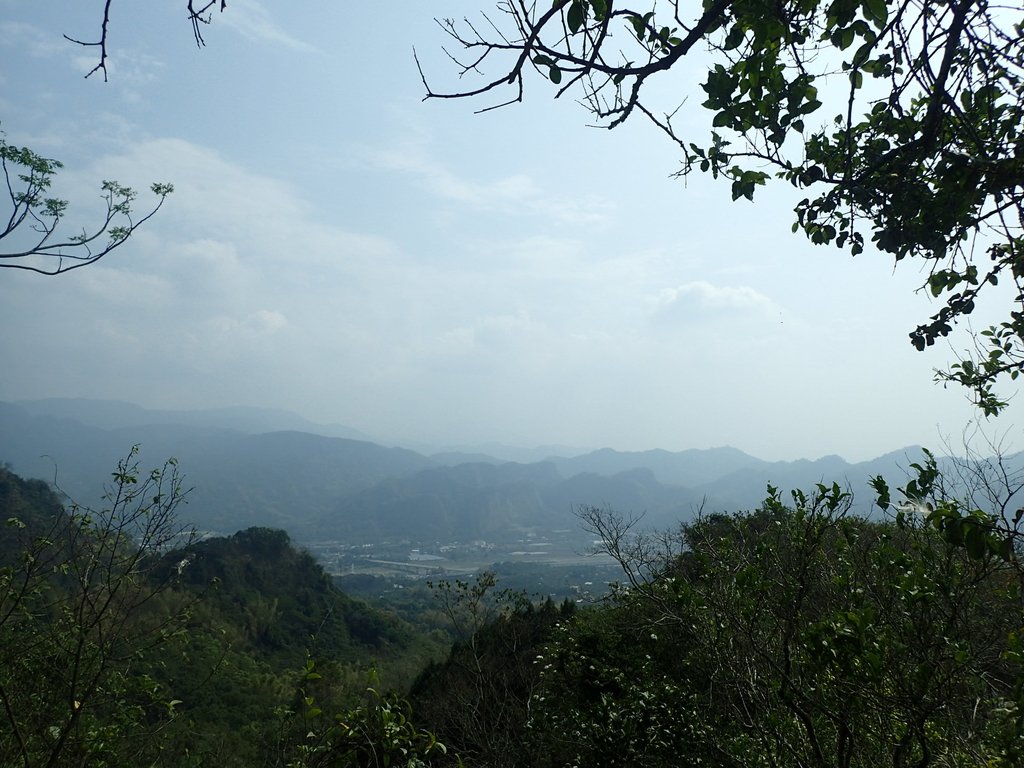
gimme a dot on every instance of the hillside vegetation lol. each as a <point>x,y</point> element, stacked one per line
<point>124,642</point>
<point>798,634</point>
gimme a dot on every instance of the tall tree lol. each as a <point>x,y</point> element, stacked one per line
<point>903,120</point>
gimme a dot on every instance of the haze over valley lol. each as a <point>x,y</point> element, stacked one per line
<point>361,506</point>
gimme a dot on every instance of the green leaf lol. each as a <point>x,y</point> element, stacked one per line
<point>843,38</point>
<point>882,494</point>
<point>639,24</point>
<point>862,55</point>
<point>734,38</point>
<point>976,542</point>
<point>555,74</point>
<point>1006,549</point>
<point>575,16</point>
<point>877,10</point>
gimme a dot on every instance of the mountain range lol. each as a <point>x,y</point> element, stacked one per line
<point>254,467</point>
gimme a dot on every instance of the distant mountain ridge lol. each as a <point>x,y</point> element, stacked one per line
<point>321,487</point>
<point>485,501</point>
<point>115,414</point>
<point>689,467</point>
<point>275,479</point>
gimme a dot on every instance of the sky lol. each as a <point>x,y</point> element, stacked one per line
<point>338,247</point>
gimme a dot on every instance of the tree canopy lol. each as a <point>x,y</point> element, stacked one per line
<point>902,120</point>
<point>796,635</point>
<point>124,640</point>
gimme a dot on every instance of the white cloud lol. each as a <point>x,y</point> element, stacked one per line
<point>267,321</point>
<point>251,20</point>
<point>226,215</point>
<point>31,38</point>
<point>128,69</point>
<point>124,288</point>
<point>236,268</point>
<point>515,193</point>
<point>490,334</point>
<point>262,322</point>
<point>698,299</point>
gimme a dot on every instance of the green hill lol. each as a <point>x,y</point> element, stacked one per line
<point>116,650</point>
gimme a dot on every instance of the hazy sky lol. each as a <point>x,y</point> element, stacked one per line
<point>339,248</point>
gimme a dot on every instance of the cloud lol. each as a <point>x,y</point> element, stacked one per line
<point>227,216</point>
<point>496,335</point>
<point>251,20</point>
<point>124,289</point>
<point>37,42</point>
<point>129,69</point>
<point>699,299</point>
<point>236,262</point>
<point>262,322</point>
<point>516,193</point>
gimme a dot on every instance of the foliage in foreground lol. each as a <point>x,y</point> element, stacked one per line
<point>123,642</point>
<point>377,732</point>
<point>478,699</point>
<point>799,634</point>
<point>75,619</point>
<point>796,635</point>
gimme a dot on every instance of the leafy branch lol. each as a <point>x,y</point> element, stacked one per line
<point>35,217</point>
<point>903,120</point>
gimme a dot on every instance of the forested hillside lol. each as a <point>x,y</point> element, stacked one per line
<point>798,634</point>
<point>123,643</point>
